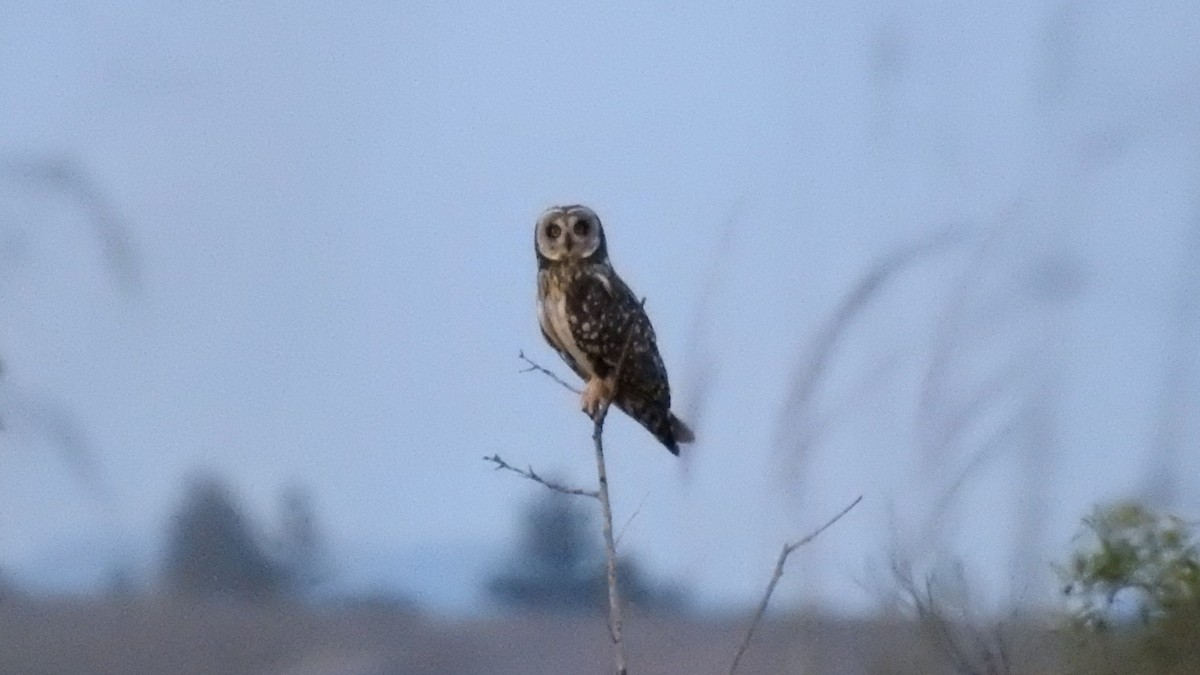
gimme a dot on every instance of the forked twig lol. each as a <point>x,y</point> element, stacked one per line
<point>533,476</point>
<point>535,366</point>
<point>779,565</point>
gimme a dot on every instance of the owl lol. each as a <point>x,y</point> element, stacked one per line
<point>588,315</point>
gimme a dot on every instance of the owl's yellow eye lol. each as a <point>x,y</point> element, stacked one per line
<point>581,227</point>
<point>553,231</point>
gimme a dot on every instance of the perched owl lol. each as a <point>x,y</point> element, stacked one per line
<point>587,313</point>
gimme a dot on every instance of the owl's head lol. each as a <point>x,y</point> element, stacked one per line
<point>568,234</point>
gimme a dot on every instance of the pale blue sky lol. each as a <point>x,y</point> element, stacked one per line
<point>333,209</point>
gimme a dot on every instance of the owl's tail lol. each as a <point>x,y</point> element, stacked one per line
<point>666,427</point>
<point>681,431</point>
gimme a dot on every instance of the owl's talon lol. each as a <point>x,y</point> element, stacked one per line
<point>595,394</point>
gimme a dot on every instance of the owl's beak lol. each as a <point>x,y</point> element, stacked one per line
<point>568,242</point>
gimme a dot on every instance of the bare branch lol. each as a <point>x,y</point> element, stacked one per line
<point>610,545</point>
<point>788,549</point>
<point>535,366</point>
<point>817,532</point>
<point>533,476</point>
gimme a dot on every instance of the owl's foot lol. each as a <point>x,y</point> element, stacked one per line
<point>596,393</point>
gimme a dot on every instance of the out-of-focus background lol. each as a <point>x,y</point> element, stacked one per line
<point>266,268</point>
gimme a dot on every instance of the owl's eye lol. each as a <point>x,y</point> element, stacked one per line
<point>553,231</point>
<point>581,227</point>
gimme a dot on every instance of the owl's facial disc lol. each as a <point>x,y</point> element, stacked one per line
<point>568,233</point>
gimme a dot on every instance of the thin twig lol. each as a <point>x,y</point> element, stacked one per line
<point>533,476</point>
<point>779,564</point>
<point>632,517</point>
<point>535,366</point>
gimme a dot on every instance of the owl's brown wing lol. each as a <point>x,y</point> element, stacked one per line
<point>604,314</point>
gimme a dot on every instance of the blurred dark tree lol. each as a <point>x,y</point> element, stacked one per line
<point>555,564</point>
<point>302,549</point>
<point>559,565</point>
<point>213,551</point>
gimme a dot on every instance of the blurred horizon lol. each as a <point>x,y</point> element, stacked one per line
<point>945,256</point>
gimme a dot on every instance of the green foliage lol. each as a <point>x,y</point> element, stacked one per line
<point>1128,548</point>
